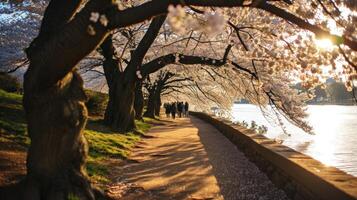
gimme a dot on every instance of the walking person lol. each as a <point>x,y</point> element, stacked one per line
<point>183,110</point>
<point>167,107</point>
<point>186,109</point>
<point>179,109</point>
<point>173,110</point>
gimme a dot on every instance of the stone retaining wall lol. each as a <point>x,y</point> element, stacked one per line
<point>299,175</point>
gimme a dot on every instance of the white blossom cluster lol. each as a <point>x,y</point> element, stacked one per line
<point>138,74</point>
<point>94,18</point>
<point>181,21</point>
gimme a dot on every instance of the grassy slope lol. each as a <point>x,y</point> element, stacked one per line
<point>12,119</point>
<point>104,144</point>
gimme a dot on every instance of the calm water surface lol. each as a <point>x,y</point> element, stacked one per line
<point>335,128</point>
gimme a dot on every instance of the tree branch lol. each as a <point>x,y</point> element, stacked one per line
<point>153,8</point>
<point>305,25</point>
<point>145,43</point>
<point>165,60</point>
<point>45,66</point>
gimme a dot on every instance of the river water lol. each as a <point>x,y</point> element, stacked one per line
<point>334,142</point>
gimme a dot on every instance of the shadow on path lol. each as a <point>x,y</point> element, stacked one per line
<point>189,159</point>
<point>173,164</point>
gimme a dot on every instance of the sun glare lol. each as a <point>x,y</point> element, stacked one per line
<point>325,44</point>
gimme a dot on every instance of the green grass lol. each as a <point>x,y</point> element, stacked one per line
<point>72,197</point>
<point>96,103</point>
<point>103,143</point>
<point>12,119</point>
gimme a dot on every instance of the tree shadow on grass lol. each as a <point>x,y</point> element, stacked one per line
<point>98,125</point>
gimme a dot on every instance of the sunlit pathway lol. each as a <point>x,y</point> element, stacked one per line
<point>190,159</point>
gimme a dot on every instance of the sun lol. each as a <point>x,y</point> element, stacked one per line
<point>324,44</point>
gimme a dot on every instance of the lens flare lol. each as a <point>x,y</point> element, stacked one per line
<point>325,44</point>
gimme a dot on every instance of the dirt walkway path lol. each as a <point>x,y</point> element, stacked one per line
<point>12,162</point>
<point>190,159</point>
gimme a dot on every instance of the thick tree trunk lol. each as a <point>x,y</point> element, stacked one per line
<point>54,103</point>
<point>150,109</point>
<point>56,158</point>
<point>155,90</point>
<point>139,101</point>
<point>120,113</point>
<point>157,105</point>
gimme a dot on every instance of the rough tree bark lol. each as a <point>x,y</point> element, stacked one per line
<point>120,112</point>
<point>150,109</point>
<point>139,101</point>
<point>158,105</point>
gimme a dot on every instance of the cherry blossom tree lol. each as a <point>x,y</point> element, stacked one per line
<point>210,22</point>
<point>270,43</point>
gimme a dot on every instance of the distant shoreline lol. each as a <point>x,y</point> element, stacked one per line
<point>333,104</point>
<point>315,104</point>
